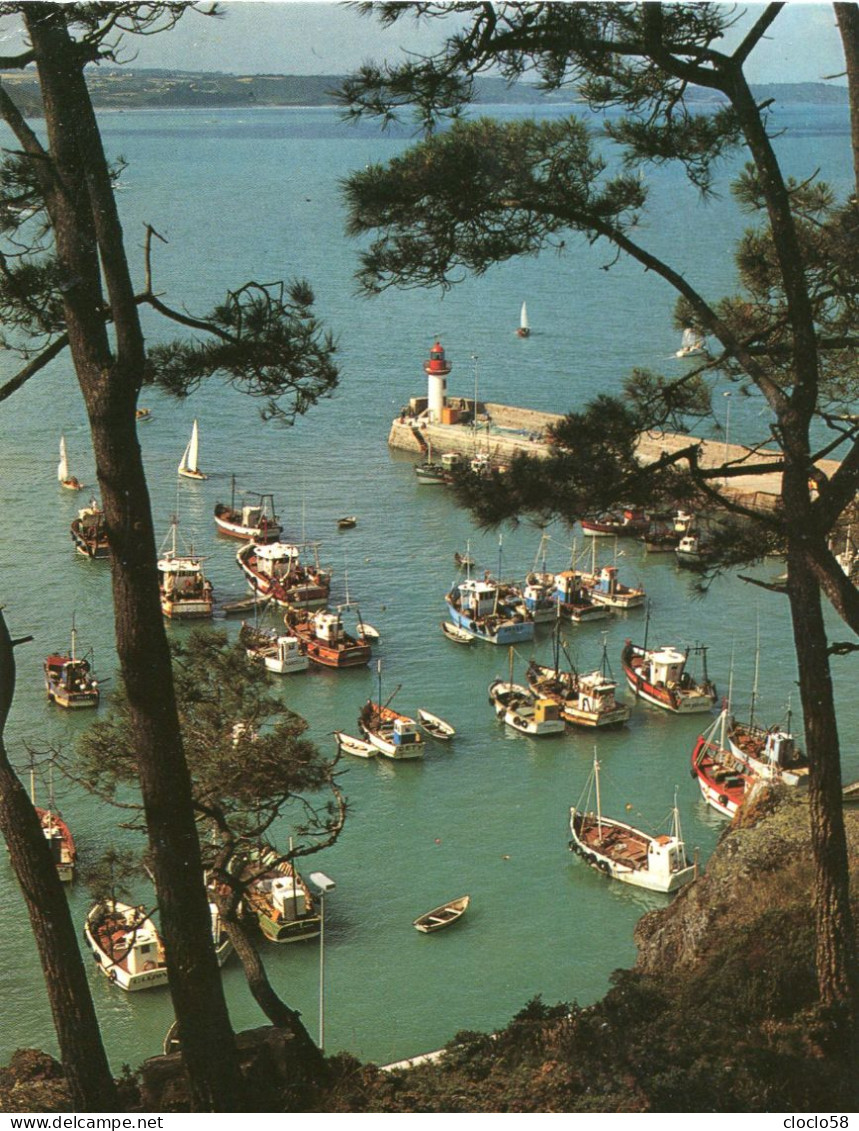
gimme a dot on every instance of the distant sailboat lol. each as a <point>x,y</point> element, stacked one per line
<point>66,479</point>
<point>188,464</point>
<point>524,330</point>
<point>691,344</point>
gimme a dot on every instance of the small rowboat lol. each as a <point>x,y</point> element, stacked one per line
<point>356,746</point>
<point>455,633</point>
<point>435,726</point>
<point>347,522</point>
<point>368,632</point>
<point>443,916</point>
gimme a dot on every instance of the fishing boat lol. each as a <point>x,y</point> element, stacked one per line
<point>394,735</point>
<point>586,700</point>
<point>430,473</point>
<point>521,710</point>
<point>605,588</point>
<point>347,522</point>
<point>434,726</point>
<point>141,415</point>
<point>348,744</point>
<point>661,538</point>
<point>69,679</point>
<point>252,522</point>
<point>442,916</point>
<point>691,344</point>
<point>659,677</point>
<point>656,863</point>
<point>456,634</point>
<point>277,898</point>
<point>574,601</point>
<point>57,833</point>
<point>188,463</point>
<point>629,523</point>
<point>287,573</point>
<point>476,607</point>
<point>693,552</point>
<point>325,641</point>
<point>280,653</point>
<point>185,590</point>
<point>89,533</point>
<point>524,330</point>
<point>126,945</point>
<point>66,479</point>
<point>722,777</point>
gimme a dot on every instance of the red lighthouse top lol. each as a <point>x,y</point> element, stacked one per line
<point>437,366</point>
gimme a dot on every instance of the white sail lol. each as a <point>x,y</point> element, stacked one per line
<point>63,465</point>
<point>523,318</point>
<point>188,463</point>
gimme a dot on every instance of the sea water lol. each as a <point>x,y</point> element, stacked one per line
<point>255,195</point>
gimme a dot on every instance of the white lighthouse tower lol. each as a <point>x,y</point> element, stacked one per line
<point>436,369</point>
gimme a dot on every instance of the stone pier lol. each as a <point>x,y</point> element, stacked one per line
<point>500,431</point>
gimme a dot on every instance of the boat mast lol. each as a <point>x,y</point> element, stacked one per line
<point>757,669</point>
<point>510,674</point>
<point>597,787</point>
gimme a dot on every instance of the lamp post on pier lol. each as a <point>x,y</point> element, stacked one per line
<point>323,884</point>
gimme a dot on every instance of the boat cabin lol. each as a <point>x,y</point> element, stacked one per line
<point>568,586</point>
<point>606,581</point>
<point>780,750</point>
<point>450,461</point>
<point>277,559</point>
<point>546,711</point>
<point>328,627</point>
<point>665,855</point>
<point>478,598</point>
<point>288,897</point>
<point>666,667</point>
<point>405,732</point>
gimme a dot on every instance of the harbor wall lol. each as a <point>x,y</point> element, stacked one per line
<point>503,430</point>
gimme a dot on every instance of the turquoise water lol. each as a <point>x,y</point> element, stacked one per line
<point>239,196</point>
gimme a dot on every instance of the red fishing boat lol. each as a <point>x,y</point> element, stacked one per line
<point>276,570</point>
<point>325,641</point>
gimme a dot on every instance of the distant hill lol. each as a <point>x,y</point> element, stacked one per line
<point>128,89</point>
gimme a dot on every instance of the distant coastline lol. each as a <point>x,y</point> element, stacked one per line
<point>128,88</point>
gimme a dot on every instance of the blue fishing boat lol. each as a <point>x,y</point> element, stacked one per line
<point>476,606</point>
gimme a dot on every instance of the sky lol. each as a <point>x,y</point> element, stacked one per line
<point>296,37</point>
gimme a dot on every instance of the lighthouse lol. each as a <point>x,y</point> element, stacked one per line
<point>436,369</point>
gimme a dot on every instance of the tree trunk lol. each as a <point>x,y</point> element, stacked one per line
<point>847,16</point>
<point>835,951</point>
<point>277,1011</point>
<point>89,236</point>
<point>85,1064</point>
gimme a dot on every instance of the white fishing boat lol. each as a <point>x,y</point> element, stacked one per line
<point>126,945</point>
<point>280,653</point>
<point>277,897</point>
<point>585,699</point>
<point>435,726</point>
<point>394,735</point>
<point>185,590</point>
<point>574,601</point>
<point>64,476</point>
<point>57,833</point>
<point>251,521</point>
<point>691,344</point>
<point>657,863</point>
<point>188,465</point>
<point>357,747</point>
<point>524,330</point>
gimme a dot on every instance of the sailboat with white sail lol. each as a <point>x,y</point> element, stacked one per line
<point>691,344</point>
<point>188,465</point>
<point>524,330</point>
<point>65,477</point>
